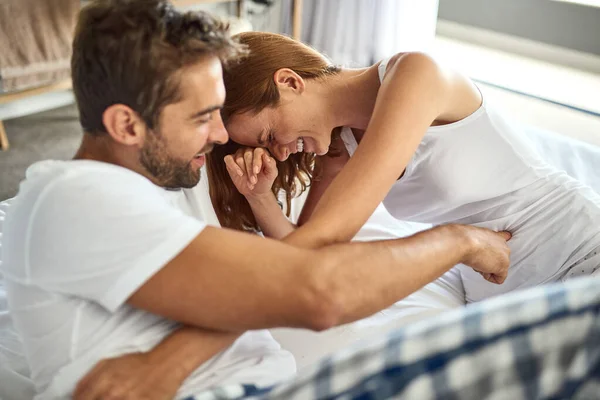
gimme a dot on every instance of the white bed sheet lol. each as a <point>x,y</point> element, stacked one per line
<point>576,158</point>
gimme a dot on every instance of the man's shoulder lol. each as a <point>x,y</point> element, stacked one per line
<point>77,178</point>
<point>60,188</point>
<point>53,171</point>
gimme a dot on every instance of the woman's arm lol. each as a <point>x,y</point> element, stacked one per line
<point>269,216</point>
<point>415,93</point>
<point>253,172</point>
<point>249,162</point>
<point>330,168</point>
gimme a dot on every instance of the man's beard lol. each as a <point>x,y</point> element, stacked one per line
<point>168,171</point>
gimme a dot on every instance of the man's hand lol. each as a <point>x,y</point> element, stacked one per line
<point>157,374</point>
<point>132,376</point>
<point>252,171</point>
<point>490,254</point>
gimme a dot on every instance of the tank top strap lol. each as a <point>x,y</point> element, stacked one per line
<point>349,140</point>
<point>382,67</point>
<point>346,134</point>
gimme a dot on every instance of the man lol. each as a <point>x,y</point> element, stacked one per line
<point>105,255</point>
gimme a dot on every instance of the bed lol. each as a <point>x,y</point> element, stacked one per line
<point>576,158</point>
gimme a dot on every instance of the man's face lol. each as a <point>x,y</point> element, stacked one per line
<point>188,129</point>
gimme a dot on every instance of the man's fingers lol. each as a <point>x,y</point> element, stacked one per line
<point>117,393</point>
<point>494,278</point>
<point>499,279</point>
<point>94,389</point>
<point>87,382</point>
<point>506,235</point>
<point>232,167</point>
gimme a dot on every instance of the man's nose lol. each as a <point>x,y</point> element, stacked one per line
<point>218,134</point>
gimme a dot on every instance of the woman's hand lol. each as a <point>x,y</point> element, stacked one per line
<point>252,171</point>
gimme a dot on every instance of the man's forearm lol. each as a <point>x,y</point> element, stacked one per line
<point>396,268</point>
<point>269,216</point>
<point>186,349</point>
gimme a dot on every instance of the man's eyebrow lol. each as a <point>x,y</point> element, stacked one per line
<point>206,111</point>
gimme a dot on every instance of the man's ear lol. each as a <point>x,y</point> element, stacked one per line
<point>124,125</point>
<point>288,80</point>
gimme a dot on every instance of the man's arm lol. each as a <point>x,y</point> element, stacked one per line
<point>157,374</point>
<point>256,283</point>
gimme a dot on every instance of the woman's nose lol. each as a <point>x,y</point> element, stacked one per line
<point>281,153</point>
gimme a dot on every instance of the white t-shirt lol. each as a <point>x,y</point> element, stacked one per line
<point>79,239</point>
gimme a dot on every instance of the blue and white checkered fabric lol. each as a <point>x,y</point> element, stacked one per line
<point>541,343</point>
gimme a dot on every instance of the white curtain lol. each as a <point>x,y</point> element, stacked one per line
<point>361,32</point>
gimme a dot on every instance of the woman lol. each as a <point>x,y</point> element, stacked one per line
<point>418,136</point>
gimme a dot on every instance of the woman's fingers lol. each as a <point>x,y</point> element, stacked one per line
<point>239,160</point>
<point>248,161</point>
<point>232,167</point>
<point>257,161</point>
<point>237,170</point>
<point>247,167</point>
<point>270,165</point>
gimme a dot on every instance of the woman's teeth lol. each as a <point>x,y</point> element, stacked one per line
<point>300,145</point>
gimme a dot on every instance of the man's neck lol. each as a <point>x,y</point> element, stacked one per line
<point>102,148</point>
<point>94,148</point>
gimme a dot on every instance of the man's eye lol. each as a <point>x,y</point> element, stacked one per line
<point>205,120</point>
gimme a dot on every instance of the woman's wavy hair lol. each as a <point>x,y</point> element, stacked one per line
<point>250,87</point>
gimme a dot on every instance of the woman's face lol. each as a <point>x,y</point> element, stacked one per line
<point>299,123</point>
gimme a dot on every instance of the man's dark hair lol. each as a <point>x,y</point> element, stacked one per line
<point>130,52</point>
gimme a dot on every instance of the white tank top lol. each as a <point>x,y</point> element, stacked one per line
<point>481,171</point>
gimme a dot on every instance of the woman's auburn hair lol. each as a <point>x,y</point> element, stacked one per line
<point>250,87</point>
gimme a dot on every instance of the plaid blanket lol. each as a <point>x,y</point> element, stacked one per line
<point>541,343</point>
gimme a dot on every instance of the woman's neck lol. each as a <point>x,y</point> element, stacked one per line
<point>351,96</point>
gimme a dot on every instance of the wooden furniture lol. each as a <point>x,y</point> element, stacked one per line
<point>13,104</point>
<point>4,144</point>
<point>13,98</point>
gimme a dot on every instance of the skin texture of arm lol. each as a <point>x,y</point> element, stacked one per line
<point>269,216</point>
<point>415,92</point>
<point>331,167</point>
<point>257,283</point>
<point>157,374</point>
<point>263,203</point>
